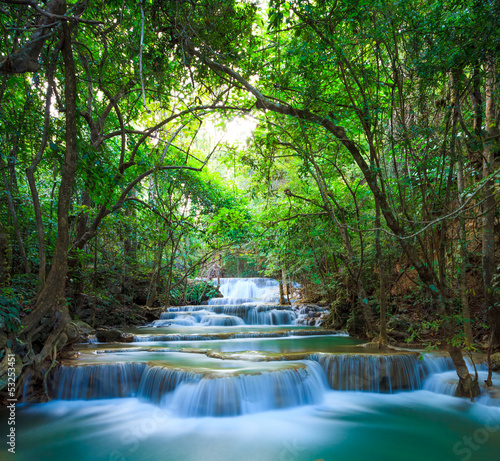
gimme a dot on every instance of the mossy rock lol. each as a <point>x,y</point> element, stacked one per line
<point>83,328</point>
<point>495,362</point>
<point>113,336</point>
<point>398,323</point>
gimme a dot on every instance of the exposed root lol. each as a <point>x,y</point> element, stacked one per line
<point>46,374</point>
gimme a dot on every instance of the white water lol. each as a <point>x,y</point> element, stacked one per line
<point>345,426</point>
<point>372,373</point>
<point>239,291</point>
<point>245,302</point>
<point>199,389</point>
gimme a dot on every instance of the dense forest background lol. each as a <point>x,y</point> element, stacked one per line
<point>350,146</point>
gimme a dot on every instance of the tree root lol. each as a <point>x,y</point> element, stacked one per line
<point>46,374</point>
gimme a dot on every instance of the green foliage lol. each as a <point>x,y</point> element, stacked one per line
<point>201,291</point>
<point>293,201</point>
<point>194,293</point>
<point>9,314</point>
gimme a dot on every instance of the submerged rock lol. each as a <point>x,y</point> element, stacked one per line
<point>258,356</point>
<point>113,336</point>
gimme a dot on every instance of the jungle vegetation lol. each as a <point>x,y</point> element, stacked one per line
<point>369,174</point>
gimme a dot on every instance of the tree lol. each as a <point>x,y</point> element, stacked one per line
<point>103,142</point>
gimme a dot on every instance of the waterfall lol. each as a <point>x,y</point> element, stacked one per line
<point>233,390</point>
<point>391,373</point>
<point>442,377</point>
<point>207,392</point>
<point>246,288</point>
<point>227,315</point>
<point>97,381</point>
<point>157,381</point>
<point>188,393</point>
<point>221,321</point>
<point>371,373</point>
<point>229,301</point>
<point>440,363</point>
<point>442,383</point>
<point>242,304</point>
<point>249,393</point>
<point>174,337</point>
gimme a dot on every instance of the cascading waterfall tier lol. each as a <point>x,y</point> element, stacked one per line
<point>235,390</point>
<point>250,393</point>
<point>193,394</point>
<point>391,372</point>
<point>97,381</point>
<point>227,315</point>
<point>246,302</point>
<point>443,379</point>
<point>246,335</point>
<point>372,372</point>
<point>157,381</point>
<point>244,290</point>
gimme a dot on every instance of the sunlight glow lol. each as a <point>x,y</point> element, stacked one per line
<point>239,130</point>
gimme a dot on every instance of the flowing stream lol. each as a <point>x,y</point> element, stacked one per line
<point>242,378</point>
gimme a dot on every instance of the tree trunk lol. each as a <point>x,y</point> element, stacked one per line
<point>26,59</point>
<point>383,284</point>
<point>155,276</point>
<point>17,231</point>
<point>456,157</point>
<point>467,385</point>
<point>488,240</point>
<point>282,295</point>
<point>52,298</point>
<point>129,243</point>
<point>464,296</point>
<point>286,291</point>
<point>30,174</point>
<point>40,232</point>
<point>4,256</point>
<point>94,285</point>
<point>352,266</point>
<point>75,267</point>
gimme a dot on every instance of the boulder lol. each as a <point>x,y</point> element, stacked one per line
<point>113,336</point>
<point>495,362</point>
<point>399,323</point>
<point>68,354</point>
<point>83,328</point>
